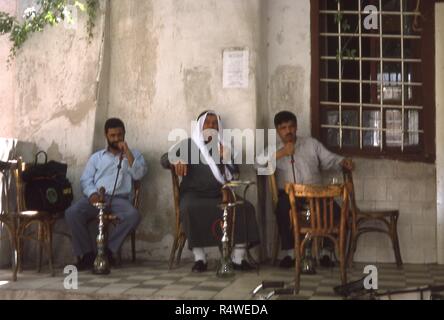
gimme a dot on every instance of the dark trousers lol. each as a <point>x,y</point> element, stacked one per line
<point>283,218</point>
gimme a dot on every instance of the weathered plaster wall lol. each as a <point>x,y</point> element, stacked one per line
<point>439,20</point>
<point>7,85</point>
<point>157,64</point>
<point>289,68</point>
<point>55,99</point>
<point>166,67</point>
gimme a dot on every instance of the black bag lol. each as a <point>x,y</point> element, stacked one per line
<point>47,187</point>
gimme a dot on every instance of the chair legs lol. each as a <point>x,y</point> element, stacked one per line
<point>342,259</point>
<point>395,240</point>
<point>275,249</point>
<point>40,237</point>
<point>392,232</point>
<point>176,249</point>
<point>48,242</point>
<point>352,247</point>
<point>14,251</point>
<point>173,251</point>
<point>298,263</point>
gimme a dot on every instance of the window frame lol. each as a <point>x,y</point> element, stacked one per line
<point>425,152</point>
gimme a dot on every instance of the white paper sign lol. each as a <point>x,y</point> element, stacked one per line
<point>235,68</point>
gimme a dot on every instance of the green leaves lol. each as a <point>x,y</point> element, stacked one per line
<point>6,23</point>
<point>344,27</point>
<point>50,12</point>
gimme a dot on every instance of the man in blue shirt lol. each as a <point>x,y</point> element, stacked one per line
<point>101,171</point>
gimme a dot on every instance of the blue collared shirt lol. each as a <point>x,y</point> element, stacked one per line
<point>101,171</point>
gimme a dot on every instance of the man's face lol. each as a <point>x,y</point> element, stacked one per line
<point>287,131</point>
<point>114,136</point>
<point>210,123</point>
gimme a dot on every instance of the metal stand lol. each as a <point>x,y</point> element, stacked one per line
<point>307,265</point>
<point>225,268</point>
<point>101,263</point>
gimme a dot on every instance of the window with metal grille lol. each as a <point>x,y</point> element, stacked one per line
<point>373,77</point>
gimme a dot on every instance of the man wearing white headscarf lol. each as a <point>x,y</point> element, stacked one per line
<point>200,162</point>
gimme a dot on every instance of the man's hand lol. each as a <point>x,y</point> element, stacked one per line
<point>181,169</point>
<point>123,146</point>
<point>286,150</point>
<point>348,164</point>
<point>225,153</point>
<point>94,198</point>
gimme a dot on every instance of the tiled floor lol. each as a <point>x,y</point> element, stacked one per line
<point>153,280</point>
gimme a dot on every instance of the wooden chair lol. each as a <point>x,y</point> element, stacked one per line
<point>274,201</point>
<point>360,220</point>
<point>179,235</point>
<point>322,223</point>
<point>18,220</point>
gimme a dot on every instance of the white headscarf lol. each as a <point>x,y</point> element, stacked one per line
<point>198,137</point>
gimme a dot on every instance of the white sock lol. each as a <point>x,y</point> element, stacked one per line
<point>290,253</point>
<point>199,254</point>
<point>238,253</point>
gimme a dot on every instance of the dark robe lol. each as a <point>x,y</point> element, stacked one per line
<point>200,195</point>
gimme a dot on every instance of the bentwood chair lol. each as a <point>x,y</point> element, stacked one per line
<point>274,201</point>
<point>321,223</point>
<point>18,220</point>
<point>362,221</point>
<point>179,234</point>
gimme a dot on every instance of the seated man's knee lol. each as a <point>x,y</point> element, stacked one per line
<point>70,213</point>
<point>132,217</point>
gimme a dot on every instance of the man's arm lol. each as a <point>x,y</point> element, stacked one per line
<point>87,178</point>
<point>177,157</point>
<point>138,168</point>
<point>328,159</point>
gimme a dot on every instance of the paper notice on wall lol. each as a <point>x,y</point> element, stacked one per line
<point>235,68</point>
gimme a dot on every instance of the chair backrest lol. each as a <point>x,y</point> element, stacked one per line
<point>320,200</point>
<point>137,186</point>
<point>348,180</point>
<point>273,190</point>
<point>175,181</point>
<point>19,185</point>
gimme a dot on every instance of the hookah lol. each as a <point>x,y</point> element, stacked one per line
<point>101,263</point>
<point>225,268</point>
<point>307,264</point>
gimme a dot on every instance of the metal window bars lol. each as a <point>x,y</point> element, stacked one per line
<point>391,86</point>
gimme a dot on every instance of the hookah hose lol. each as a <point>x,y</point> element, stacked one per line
<point>119,166</point>
<point>292,168</point>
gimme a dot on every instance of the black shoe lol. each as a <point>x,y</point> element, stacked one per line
<point>244,266</point>
<point>199,266</point>
<point>287,263</point>
<point>87,262</point>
